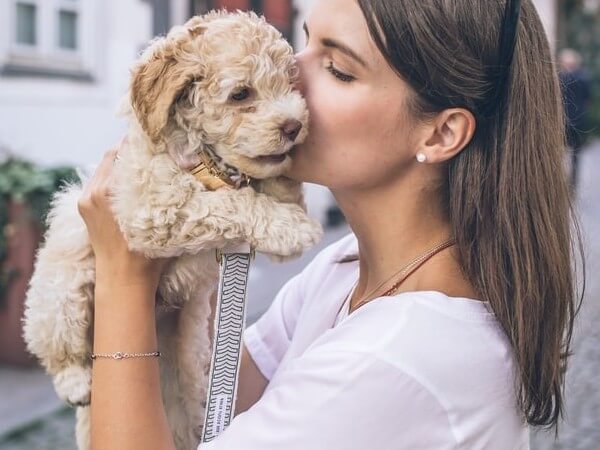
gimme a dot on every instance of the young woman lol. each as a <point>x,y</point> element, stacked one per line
<point>443,319</point>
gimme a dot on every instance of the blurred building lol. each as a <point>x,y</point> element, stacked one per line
<point>278,12</point>
<point>548,11</point>
<point>64,65</point>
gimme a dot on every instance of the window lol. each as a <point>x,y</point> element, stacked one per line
<point>67,29</point>
<point>66,25</point>
<point>26,23</point>
<point>47,38</point>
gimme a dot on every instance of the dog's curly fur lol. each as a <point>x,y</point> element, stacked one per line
<point>221,83</point>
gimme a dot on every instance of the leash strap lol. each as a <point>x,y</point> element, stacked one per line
<point>229,323</point>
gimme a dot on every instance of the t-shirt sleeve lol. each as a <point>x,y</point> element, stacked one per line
<point>268,339</point>
<point>340,399</point>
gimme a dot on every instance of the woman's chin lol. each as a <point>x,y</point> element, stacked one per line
<point>300,170</point>
<point>291,171</point>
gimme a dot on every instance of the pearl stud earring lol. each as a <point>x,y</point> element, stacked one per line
<point>421,157</point>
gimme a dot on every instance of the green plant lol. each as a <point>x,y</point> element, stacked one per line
<point>22,181</point>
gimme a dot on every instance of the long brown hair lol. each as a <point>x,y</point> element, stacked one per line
<point>507,192</point>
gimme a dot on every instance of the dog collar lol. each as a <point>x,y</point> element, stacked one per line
<point>214,178</point>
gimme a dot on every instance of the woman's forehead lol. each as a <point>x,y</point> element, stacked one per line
<point>343,21</point>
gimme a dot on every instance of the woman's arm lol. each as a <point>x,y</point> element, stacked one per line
<point>251,383</point>
<point>126,405</point>
<point>127,410</point>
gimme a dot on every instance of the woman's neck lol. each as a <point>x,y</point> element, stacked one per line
<point>393,226</point>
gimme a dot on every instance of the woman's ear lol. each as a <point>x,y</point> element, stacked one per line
<point>448,134</point>
<point>161,77</point>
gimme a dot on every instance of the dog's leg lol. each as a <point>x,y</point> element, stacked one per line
<point>282,229</point>
<point>83,430</point>
<point>283,189</point>
<point>58,306</point>
<point>212,219</point>
<point>172,395</point>
<point>194,353</point>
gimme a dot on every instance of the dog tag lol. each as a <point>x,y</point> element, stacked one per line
<point>229,323</point>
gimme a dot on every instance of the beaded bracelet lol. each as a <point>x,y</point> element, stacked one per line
<point>121,355</point>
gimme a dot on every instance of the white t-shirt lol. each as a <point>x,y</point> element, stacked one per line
<point>417,370</point>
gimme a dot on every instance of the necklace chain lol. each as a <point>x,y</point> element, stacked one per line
<point>405,270</point>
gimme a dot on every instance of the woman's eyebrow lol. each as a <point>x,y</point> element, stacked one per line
<point>332,43</point>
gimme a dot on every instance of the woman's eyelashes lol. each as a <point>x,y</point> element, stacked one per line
<point>339,75</point>
<point>336,73</point>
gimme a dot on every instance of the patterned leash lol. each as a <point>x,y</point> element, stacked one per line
<point>229,323</point>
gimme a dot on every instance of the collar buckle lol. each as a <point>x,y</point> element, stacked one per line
<point>214,178</point>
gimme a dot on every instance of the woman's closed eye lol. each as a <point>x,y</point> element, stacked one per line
<point>339,75</point>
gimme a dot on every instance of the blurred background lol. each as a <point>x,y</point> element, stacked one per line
<point>64,65</point>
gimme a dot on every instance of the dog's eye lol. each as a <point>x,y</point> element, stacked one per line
<point>241,95</point>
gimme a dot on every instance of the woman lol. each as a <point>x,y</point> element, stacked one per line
<point>442,321</point>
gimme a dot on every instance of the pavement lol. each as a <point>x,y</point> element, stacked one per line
<point>33,418</point>
<point>581,427</point>
<point>27,396</point>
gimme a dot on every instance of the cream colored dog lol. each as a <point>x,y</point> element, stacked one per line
<point>218,87</point>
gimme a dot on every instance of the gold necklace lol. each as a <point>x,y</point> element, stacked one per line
<point>405,270</point>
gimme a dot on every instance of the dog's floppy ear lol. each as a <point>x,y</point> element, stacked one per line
<point>159,80</point>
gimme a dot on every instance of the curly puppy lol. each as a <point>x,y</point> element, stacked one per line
<point>213,117</point>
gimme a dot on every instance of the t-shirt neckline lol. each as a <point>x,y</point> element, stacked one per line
<point>462,307</point>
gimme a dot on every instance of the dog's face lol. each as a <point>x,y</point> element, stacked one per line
<point>224,80</point>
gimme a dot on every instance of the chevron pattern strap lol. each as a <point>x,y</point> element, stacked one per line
<point>229,325</point>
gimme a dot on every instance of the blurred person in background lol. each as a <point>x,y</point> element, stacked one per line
<point>576,89</point>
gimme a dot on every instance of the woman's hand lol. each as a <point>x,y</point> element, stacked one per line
<point>114,260</point>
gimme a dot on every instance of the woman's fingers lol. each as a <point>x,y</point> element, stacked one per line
<point>99,186</point>
<point>110,247</point>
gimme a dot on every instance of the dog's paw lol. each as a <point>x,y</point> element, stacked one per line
<point>290,235</point>
<point>282,259</point>
<point>73,385</point>
<point>310,233</point>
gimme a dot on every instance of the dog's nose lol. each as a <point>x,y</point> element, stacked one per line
<point>290,129</point>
